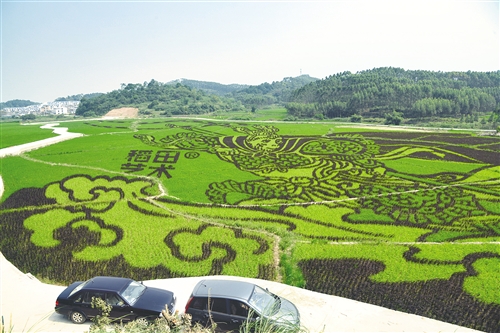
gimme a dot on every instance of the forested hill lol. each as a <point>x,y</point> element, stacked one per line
<point>169,99</point>
<point>210,87</point>
<point>252,96</point>
<point>17,103</point>
<point>415,93</point>
<point>272,93</point>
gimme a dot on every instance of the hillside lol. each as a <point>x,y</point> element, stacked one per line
<point>256,96</point>
<point>181,97</point>
<point>416,94</point>
<point>168,99</point>
<point>278,92</point>
<point>17,103</point>
<point>213,88</point>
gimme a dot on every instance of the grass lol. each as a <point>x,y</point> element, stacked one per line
<point>13,134</point>
<point>426,167</point>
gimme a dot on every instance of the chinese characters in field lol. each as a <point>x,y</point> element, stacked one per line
<point>160,162</point>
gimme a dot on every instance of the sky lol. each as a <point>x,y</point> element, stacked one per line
<point>55,48</point>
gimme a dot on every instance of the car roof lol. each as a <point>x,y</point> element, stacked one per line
<point>224,288</point>
<point>107,283</point>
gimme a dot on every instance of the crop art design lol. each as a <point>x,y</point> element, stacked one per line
<point>346,172</point>
<point>417,215</point>
<point>95,221</point>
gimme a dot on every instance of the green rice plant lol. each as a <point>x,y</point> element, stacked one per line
<point>96,127</point>
<point>452,252</point>
<point>418,166</point>
<point>329,222</point>
<point>13,133</point>
<point>484,285</point>
<point>270,114</point>
<point>397,268</point>
<point>149,236</point>
<point>485,175</point>
<point>95,151</point>
<point>19,173</point>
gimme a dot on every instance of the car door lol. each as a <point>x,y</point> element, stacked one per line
<point>238,314</point>
<point>219,312</point>
<point>85,303</point>
<point>206,311</point>
<point>120,309</point>
<point>198,309</point>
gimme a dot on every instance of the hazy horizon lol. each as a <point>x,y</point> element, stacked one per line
<point>53,48</point>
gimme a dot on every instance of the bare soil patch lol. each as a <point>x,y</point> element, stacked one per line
<point>122,113</point>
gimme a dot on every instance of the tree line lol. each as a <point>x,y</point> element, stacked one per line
<point>17,103</point>
<point>169,99</point>
<point>414,94</point>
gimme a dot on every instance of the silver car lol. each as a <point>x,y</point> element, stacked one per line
<point>231,304</point>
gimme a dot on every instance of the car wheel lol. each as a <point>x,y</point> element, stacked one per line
<point>77,317</point>
<point>142,321</point>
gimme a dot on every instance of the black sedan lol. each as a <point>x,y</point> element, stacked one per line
<point>130,300</point>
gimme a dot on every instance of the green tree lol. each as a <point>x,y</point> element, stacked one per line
<point>393,118</point>
<point>356,118</point>
<point>26,117</point>
<point>89,114</point>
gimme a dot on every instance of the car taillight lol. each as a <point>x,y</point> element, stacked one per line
<point>57,303</point>
<point>188,304</point>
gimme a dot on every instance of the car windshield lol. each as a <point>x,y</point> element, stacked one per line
<point>133,292</point>
<point>264,302</point>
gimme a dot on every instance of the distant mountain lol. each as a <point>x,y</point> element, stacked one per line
<point>17,103</point>
<point>212,88</point>
<point>260,95</point>
<point>279,88</point>
<point>278,92</point>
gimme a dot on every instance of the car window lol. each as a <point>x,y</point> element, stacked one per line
<point>96,294</point>
<point>113,299</point>
<point>199,303</point>
<point>238,308</point>
<point>218,305</point>
<point>79,297</point>
<point>86,298</point>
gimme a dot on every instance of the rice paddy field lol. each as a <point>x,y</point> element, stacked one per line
<point>408,220</point>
